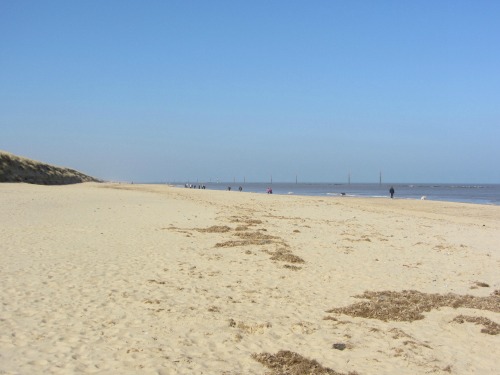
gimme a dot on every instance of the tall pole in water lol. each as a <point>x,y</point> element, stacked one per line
<point>349,178</point>
<point>295,179</point>
<point>271,179</point>
<point>380,178</point>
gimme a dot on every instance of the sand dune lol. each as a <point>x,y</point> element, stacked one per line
<point>18,169</point>
<point>129,279</point>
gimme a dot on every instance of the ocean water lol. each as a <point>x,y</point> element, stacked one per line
<point>478,194</point>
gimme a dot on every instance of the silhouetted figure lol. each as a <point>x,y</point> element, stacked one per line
<point>391,190</point>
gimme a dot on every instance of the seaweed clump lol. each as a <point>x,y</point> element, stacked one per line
<point>490,327</point>
<point>286,362</point>
<point>409,305</point>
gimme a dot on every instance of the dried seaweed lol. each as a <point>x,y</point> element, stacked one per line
<point>409,305</point>
<point>245,237</point>
<point>482,284</point>
<point>236,243</point>
<point>251,238</point>
<point>286,362</point>
<point>291,267</point>
<point>215,229</point>
<point>246,220</point>
<point>240,228</point>
<point>490,327</point>
<point>286,256</point>
<point>256,236</point>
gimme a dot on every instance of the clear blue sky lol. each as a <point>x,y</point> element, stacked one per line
<point>186,90</point>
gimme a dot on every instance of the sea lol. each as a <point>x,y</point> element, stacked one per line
<point>488,194</point>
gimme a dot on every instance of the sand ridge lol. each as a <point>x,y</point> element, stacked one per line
<point>14,168</point>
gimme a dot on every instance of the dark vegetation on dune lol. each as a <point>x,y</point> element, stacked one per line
<point>17,169</point>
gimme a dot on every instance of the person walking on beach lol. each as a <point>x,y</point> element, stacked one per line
<point>391,190</point>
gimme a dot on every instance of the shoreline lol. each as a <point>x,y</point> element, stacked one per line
<point>122,278</point>
<point>487,194</point>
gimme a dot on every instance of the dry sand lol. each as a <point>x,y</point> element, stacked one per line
<point>129,279</point>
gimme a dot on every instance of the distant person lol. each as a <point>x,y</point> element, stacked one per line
<point>240,188</point>
<point>229,188</point>
<point>269,190</point>
<point>391,190</point>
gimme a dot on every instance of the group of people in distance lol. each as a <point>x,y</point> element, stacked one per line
<point>268,191</point>
<point>191,186</point>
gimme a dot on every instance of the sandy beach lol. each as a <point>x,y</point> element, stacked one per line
<point>150,279</point>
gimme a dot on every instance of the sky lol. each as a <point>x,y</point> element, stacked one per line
<point>184,91</point>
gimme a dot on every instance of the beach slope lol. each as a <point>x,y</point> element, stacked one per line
<point>149,279</point>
